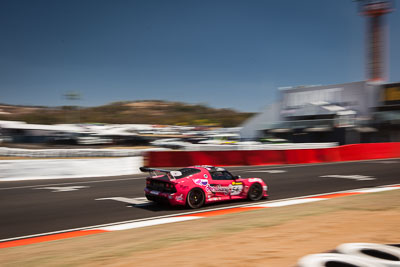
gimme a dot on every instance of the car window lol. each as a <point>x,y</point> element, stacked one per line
<point>187,172</point>
<point>221,175</point>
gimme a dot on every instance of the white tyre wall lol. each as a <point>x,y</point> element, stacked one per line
<point>356,249</point>
<point>321,260</point>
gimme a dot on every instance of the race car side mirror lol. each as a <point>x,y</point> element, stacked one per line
<point>237,177</point>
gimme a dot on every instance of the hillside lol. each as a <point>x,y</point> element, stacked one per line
<point>149,112</point>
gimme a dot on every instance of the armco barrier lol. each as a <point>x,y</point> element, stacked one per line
<point>329,154</point>
<point>369,151</point>
<point>268,157</point>
<point>264,157</point>
<point>301,156</point>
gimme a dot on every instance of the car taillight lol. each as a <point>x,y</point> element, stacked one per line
<point>169,186</point>
<point>147,182</point>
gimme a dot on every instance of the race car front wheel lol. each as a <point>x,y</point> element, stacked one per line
<point>255,192</point>
<point>195,198</point>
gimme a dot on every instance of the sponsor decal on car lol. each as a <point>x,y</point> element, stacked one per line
<point>219,189</point>
<point>236,188</point>
<point>252,180</point>
<point>214,199</point>
<point>202,182</point>
<point>179,198</point>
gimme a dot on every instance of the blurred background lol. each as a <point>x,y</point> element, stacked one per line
<point>304,95</point>
<point>175,73</point>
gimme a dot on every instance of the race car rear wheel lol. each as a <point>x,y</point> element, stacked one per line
<point>255,192</point>
<point>195,198</point>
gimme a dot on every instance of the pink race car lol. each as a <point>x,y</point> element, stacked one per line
<point>198,185</point>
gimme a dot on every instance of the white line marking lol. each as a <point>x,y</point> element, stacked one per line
<point>375,190</point>
<point>134,201</point>
<point>388,161</point>
<point>126,226</point>
<point>85,182</point>
<point>353,177</point>
<point>57,189</point>
<point>288,202</point>
<point>270,171</point>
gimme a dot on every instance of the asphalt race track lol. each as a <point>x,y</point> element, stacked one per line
<point>41,206</point>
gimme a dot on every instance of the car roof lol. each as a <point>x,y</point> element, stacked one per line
<point>209,168</point>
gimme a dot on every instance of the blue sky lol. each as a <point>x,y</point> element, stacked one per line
<point>223,53</point>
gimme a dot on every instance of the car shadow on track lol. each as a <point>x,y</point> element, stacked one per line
<point>157,207</point>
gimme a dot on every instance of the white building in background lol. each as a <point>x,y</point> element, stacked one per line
<point>318,109</point>
<point>253,127</point>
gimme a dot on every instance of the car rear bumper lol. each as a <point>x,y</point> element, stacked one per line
<point>162,197</point>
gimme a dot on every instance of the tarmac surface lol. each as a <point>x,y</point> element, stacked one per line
<point>39,206</point>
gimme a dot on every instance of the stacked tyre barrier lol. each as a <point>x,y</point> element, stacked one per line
<point>272,157</point>
<point>355,254</point>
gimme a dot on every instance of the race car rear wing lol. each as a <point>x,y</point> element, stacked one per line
<point>153,172</point>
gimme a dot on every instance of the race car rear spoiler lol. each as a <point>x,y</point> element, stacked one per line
<point>153,172</point>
